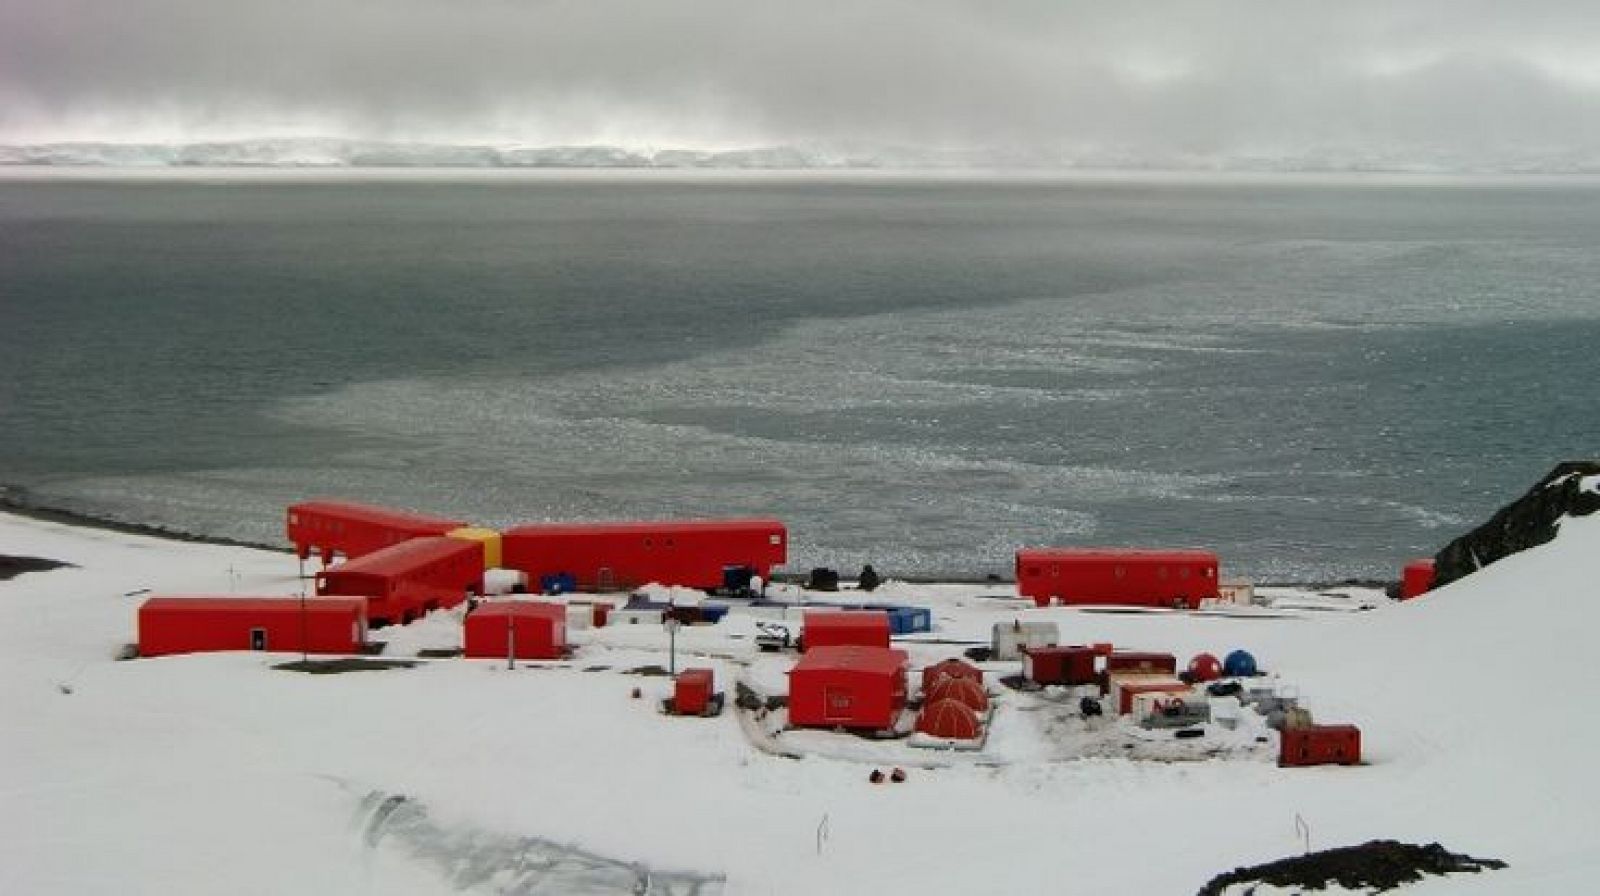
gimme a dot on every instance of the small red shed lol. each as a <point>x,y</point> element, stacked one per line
<point>691,692</point>
<point>1417,578</point>
<point>950,668</point>
<point>199,624</point>
<point>618,556</point>
<point>840,628</point>
<point>354,530</point>
<point>1117,576</point>
<point>848,687</point>
<point>538,631</point>
<point>1059,665</point>
<point>949,719</point>
<point>1320,745</point>
<point>409,579</point>
<point>1136,661</point>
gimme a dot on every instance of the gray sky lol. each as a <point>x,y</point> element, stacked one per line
<point>1466,77</point>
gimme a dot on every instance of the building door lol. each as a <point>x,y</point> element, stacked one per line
<point>258,639</point>
<point>836,703</point>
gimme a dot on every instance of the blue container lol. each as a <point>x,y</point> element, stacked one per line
<point>909,620</point>
<point>712,613</point>
<point>640,602</point>
<point>558,583</point>
<point>1239,664</point>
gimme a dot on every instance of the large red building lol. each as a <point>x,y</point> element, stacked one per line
<point>352,530</point>
<point>202,623</point>
<point>532,630</point>
<point>618,556</point>
<point>848,687</point>
<point>407,580</point>
<point>1116,576</point>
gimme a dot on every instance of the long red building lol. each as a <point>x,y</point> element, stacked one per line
<point>407,580</point>
<point>203,623</point>
<point>618,556</point>
<point>354,530</point>
<point>1117,576</point>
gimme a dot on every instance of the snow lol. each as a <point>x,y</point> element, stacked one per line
<point>211,773</point>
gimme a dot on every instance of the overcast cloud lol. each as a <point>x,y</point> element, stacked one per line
<point>1460,78</point>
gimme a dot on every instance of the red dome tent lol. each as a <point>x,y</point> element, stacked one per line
<point>965,691</point>
<point>951,668</point>
<point>949,719</point>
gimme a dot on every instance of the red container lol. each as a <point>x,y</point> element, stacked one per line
<point>951,668</point>
<point>354,530</point>
<point>1119,577</point>
<point>1417,578</point>
<point>1127,691</point>
<point>1059,665</point>
<point>842,628</point>
<point>533,630</point>
<point>1133,661</point>
<point>619,556</point>
<point>848,687</point>
<point>1320,745</point>
<point>409,579</point>
<point>691,692</point>
<point>197,624</point>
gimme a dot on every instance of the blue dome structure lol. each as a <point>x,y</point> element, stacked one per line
<point>1239,664</point>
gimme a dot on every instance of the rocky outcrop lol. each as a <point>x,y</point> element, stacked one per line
<point>1526,522</point>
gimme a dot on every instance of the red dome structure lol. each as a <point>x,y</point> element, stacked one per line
<point>949,719</point>
<point>1205,667</point>
<point>965,691</point>
<point>951,668</point>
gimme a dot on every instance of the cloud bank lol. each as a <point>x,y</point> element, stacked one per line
<point>1464,82</point>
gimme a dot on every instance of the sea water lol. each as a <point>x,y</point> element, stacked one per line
<point>1317,377</point>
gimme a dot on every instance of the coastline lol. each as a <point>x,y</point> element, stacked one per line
<point>13,500</point>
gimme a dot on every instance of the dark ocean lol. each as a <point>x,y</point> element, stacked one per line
<point>1318,377</point>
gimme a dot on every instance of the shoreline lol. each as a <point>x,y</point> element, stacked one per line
<point>12,503</point>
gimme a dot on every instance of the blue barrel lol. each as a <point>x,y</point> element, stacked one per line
<point>1239,664</point>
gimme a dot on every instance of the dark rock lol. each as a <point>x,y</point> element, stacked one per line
<point>1525,523</point>
<point>1381,865</point>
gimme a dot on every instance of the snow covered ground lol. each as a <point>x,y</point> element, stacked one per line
<point>217,773</point>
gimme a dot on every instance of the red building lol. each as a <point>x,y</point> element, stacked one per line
<point>1059,665</point>
<point>351,529</point>
<point>170,625</point>
<point>618,556</point>
<point>1116,576</point>
<point>691,692</point>
<point>407,580</point>
<point>1320,745</point>
<point>534,630</point>
<point>848,687</point>
<point>841,628</point>
<point>1417,578</point>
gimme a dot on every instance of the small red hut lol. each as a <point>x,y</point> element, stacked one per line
<point>840,628</point>
<point>848,687</point>
<point>1417,578</point>
<point>531,629</point>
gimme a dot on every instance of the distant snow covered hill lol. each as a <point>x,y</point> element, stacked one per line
<point>341,153</point>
